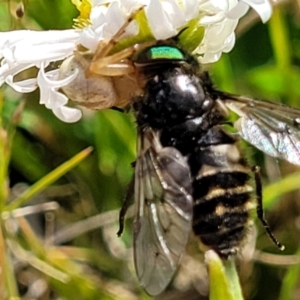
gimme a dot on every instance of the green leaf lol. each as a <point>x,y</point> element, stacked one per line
<point>52,14</point>
<point>224,281</point>
<point>275,82</point>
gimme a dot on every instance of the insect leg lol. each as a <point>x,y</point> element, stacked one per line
<point>104,48</point>
<point>128,200</point>
<point>260,209</point>
<point>102,57</point>
<point>112,65</point>
<point>117,64</point>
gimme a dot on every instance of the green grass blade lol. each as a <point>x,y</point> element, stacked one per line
<point>48,180</point>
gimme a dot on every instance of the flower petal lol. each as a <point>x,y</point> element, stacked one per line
<point>238,11</point>
<point>106,21</point>
<point>189,9</point>
<point>11,69</point>
<point>24,86</point>
<point>14,44</point>
<point>26,53</point>
<point>210,57</point>
<point>53,99</point>
<point>51,78</point>
<point>158,21</point>
<point>262,7</point>
<point>174,13</point>
<point>67,114</point>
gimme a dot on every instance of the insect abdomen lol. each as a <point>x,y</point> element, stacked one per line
<point>222,198</point>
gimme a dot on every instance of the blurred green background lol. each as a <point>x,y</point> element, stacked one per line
<point>67,248</point>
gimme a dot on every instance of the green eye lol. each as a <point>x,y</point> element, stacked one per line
<point>156,54</point>
<point>165,52</point>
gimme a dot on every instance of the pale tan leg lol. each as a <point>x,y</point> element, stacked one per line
<point>116,64</point>
<point>105,47</point>
<point>112,65</point>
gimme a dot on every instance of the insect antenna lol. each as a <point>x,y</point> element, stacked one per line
<point>260,209</point>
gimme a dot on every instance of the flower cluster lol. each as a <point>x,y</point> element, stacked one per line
<point>98,21</point>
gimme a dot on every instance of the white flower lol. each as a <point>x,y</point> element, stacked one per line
<point>24,49</point>
<point>220,21</point>
<point>99,21</point>
<point>106,21</point>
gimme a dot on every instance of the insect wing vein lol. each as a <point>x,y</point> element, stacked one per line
<point>270,127</point>
<point>164,214</point>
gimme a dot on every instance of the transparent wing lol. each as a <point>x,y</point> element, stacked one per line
<point>164,212</point>
<point>271,127</point>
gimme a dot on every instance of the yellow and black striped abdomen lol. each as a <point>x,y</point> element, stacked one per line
<point>223,198</point>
